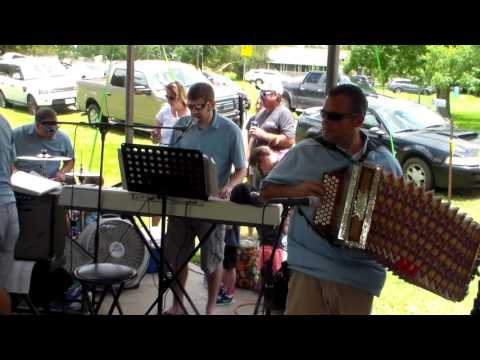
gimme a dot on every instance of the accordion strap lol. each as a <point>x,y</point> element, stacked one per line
<point>371,146</point>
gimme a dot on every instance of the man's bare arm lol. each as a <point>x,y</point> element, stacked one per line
<point>304,189</point>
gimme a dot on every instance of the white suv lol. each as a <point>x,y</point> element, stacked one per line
<point>35,82</point>
<point>259,76</point>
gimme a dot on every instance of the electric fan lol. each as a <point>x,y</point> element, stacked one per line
<point>119,243</point>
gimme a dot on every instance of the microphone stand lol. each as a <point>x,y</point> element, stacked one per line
<point>103,127</point>
<point>267,287</point>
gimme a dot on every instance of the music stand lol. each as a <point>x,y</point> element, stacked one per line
<point>165,172</point>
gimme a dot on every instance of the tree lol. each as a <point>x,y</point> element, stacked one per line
<point>446,65</point>
<point>384,61</point>
<point>216,57</point>
<point>30,49</point>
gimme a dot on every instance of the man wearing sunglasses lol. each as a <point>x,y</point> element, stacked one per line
<point>275,125</point>
<point>220,139</point>
<point>43,135</point>
<point>326,279</point>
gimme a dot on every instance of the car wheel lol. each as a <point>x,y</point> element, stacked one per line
<point>287,103</point>
<point>3,101</point>
<point>258,82</point>
<point>418,171</point>
<point>94,114</point>
<point>32,105</point>
<point>398,90</point>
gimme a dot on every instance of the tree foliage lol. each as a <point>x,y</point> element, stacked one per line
<point>215,57</point>
<point>442,66</point>
<point>384,61</point>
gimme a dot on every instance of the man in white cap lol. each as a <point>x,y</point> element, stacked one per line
<point>275,125</point>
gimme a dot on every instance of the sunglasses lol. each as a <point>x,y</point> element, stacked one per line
<point>171,98</point>
<point>197,107</point>
<point>50,127</point>
<point>335,116</point>
<point>266,93</point>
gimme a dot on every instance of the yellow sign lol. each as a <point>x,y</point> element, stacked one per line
<point>452,147</point>
<point>246,50</point>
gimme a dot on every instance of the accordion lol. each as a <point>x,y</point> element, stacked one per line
<point>409,231</point>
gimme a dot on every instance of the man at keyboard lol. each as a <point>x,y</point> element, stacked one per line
<point>221,139</point>
<point>43,134</point>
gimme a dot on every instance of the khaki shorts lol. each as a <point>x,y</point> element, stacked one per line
<point>308,295</point>
<point>180,242</point>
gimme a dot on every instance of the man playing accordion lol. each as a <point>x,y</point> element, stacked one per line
<point>328,279</point>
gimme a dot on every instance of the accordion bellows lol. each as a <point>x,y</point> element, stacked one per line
<point>415,235</point>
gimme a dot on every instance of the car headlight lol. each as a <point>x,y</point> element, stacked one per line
<point>43,92</point>
<point>463,161</point>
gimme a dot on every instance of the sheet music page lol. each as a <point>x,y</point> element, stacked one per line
<point>32,184</point>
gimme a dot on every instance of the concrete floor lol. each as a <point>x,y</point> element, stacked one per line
<point>137,301</point>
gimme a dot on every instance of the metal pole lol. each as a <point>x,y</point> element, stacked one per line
<point>243,77</point>
<point>332,66</point>
<point>452,149</point>
<point>129,93</point>
<point>198,57</point>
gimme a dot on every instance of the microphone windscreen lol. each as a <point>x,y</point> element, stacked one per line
<point>242,194</point>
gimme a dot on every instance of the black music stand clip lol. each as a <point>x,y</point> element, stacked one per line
<point>164,172</point>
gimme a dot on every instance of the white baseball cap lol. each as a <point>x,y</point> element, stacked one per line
<point>272,86</point>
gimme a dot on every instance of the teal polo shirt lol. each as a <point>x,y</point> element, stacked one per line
<point>7,156</point>
<point>222,141</point>
<point>28,143</point>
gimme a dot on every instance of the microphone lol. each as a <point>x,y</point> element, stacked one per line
<point>188,126</point>
<point>312,201</point>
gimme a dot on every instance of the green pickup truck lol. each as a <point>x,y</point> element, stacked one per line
<point>105,98</point>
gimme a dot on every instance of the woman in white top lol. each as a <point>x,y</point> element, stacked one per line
<point>175,108</point>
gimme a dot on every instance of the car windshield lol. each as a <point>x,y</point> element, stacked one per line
<point>42,70</point>
<point>408,118</point>
<point>186,75</point>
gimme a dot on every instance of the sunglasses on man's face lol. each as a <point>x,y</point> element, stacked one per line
<point>335,116</point>
<point>197,107</point>
<point>49,126</point>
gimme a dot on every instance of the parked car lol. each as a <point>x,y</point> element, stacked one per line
<point>259,76</point>
<point>107,96</point>
<point>35,82</point>
<point>311,91</point>
<point>222,80</point>
<point>362,78</point>
<point>399,85</point>
<point>12,55</point>
<point>86,70</point>
<point>420,138</point>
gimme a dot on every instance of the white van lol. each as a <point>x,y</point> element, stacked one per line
<point>36,82</point>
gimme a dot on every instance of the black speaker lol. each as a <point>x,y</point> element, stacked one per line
<point>43,227</point>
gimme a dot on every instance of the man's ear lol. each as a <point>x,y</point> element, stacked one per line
<point>358,120</point>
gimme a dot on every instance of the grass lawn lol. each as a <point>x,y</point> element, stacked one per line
<point>397,297</point>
